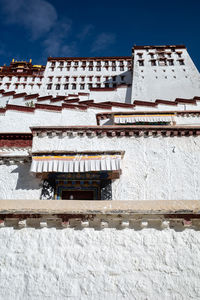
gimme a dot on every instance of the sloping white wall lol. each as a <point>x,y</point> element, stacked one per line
<point>99,264</point>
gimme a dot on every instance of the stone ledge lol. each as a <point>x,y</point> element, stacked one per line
<point>76,207</point>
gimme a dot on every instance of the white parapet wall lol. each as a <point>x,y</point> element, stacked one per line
<point>159,259</point>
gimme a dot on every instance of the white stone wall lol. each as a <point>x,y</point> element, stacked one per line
<point>99,264</point>
<point>77,71</point>
<point>153,168</point>
<point>16,182</point>
<point>17,121</point>
<point>164,82</point>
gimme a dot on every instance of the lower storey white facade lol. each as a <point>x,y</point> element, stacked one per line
<point>152,168</point>
<point>89,264</point>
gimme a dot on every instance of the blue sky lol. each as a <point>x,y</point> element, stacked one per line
<point>40,28</point>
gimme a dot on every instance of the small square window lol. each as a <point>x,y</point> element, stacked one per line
<point>113,68</point>
<point>82,86</point>
<point>90,68</point>
<point>49,86</point>
<point>98,68</point>
<point>114,78</point>
<point>171,62</point>
<point>121,68</point>
<point>73,86</point>
<point>66,86</point>
<point>57,87</point>
<point>153,62</point>
<point>141,63</point>
<point>181,62</point>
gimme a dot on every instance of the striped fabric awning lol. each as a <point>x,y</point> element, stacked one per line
<point>124,119</point>
<point>75,163</point>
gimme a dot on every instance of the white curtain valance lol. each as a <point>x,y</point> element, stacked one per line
<point>123,119</point>
<point>75,163</point>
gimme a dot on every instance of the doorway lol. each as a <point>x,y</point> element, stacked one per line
<point>77,195</point>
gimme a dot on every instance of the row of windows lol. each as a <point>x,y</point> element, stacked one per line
<point>163,62</point>
<point>8,85</point>
<point>98,69</point>
<point>82,86</point>
<point>20,78</point>
<point>90,78</point>
<point>160,54</point>
<point>90,63</point>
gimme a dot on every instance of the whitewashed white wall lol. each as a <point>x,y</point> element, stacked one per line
<point>153,168</point>
<point>164,82</point>
<point>16,182</point>
<point>107,264</point>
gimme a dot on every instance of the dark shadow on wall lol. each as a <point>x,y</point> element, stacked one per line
<point>26,181</point>
<point>122,78</point>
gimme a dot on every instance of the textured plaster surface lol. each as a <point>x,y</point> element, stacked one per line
<point>99,264</point>
<point>153,168</point>
<point>164,82</point>
<point>16,182</point>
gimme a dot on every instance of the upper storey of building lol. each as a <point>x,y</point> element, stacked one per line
<point>151,73</point>
<point>22,67</point>
<point>76,74</point>
<point>163,72</point>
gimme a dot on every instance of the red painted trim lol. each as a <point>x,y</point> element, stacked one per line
<point>83,94</point>
<point>2,110</point>
<point>48,107</point>
<point>144,103</point>
<point>118,104</point>
<point>102,89</point>
<point>74,106</point>
<point>71,101</point>
<point>19,108</point>
<point>181,100</point>
<point>166,102</point>
<point>99,105</point>
<point>58,98</point>
<point>16,140</point>
<point>19,95</point>
<point>32,96</point>
<point>44,98</point>
<point>8,93</point>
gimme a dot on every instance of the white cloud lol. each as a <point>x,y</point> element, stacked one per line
<point>56,42</point>
<point>85,32</point>
<point>37,16</point>
<point>102,42</point>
